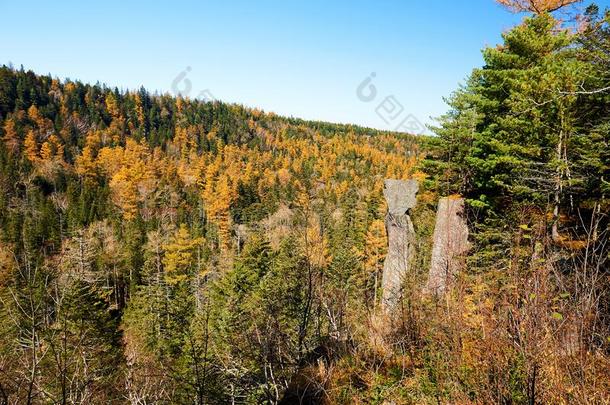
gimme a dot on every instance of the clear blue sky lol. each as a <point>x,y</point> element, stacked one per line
<point>299,58</point>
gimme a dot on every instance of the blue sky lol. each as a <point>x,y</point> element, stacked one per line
<point>300,58</point>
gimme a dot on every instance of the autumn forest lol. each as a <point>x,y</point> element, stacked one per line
<point>160,249</point>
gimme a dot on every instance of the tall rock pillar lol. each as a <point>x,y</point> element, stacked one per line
<point>401,196</point>
<point>450,243</point>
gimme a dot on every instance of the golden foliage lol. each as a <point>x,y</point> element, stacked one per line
<point>376,245</point>
<point>139,110</point>
<point>11,139</point>
<point>43,125</point>
<point>31,147</point>
<point>112,105</point>
<point>179,255</point>
<point>131,172</point>
<point>536,6</point>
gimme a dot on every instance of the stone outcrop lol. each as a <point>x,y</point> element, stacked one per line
<point>450,243</point>
<point>401,196</point>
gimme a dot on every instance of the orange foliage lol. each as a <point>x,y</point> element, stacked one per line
<point>31,147</point>
<point>536,6</point>
<point>11,139</point>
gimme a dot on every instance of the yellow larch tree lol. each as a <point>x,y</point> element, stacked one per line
<point>179,258</point>
<point>218,210</point>
<point>11,138</point>
<point>180,105</point>
<point>44,126</point>
<point>86,164</point>
<point>51,150</point>
<point>139,110</point>
<point>189,170</point>
<point>112,105</point>
<point>132,176</point>
<point>58,147</point>
<point>181,141</point>
<point>47,152</point>
<point>210,177</point>
<point>116,131</point>
<point>314,242</point>
<point>31,147</point>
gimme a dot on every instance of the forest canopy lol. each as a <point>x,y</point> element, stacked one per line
<point>161,249</point>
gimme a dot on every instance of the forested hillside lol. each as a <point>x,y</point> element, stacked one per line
<point>167,250</point>
<point>163,250</point>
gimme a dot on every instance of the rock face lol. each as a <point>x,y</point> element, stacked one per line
<point>401,196</point>
<point>450,244</point>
